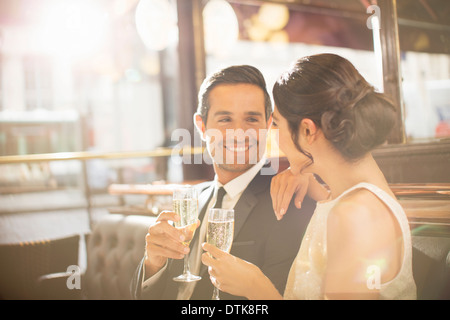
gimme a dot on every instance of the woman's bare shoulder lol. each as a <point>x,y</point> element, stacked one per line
<point>360,214</point>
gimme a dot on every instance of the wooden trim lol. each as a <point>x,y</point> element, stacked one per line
<point>192,61</point>
<point>85,155</point>
<point>409,149</point>
<point>390,47</point>
<point>147,189</point>
<point>415,163</point>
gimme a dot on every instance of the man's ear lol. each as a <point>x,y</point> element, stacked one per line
<point>200,125</point>
<point>308,130</point>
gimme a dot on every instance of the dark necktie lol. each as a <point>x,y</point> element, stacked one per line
<point>220,194</point>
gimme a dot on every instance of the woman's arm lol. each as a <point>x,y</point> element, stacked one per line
<point>236,276</point>
<point>364,247</point>
<point>347,252</point>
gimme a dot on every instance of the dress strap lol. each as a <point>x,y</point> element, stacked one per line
<point>380,193</point>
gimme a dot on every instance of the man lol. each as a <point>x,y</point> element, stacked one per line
<point>233,117</point>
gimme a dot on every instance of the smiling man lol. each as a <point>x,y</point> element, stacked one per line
<point>236,128</point>
<point>233,117</point>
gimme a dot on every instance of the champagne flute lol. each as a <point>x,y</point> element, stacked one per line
<point>220,233</point>
<point>185,204</point>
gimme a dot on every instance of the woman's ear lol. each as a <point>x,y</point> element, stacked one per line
<point>308,130</point>
<point>200,125</point>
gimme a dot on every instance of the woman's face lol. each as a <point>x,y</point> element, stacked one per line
<point>297,160</point>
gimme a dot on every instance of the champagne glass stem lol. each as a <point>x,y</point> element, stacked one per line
<point>215,295</point>
<point>186,267</point>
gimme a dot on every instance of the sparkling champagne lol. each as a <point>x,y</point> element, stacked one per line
<point>187,209</point>
<point>220,234</point>
<point>185,204</point>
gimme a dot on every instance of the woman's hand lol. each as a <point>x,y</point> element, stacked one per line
<point>285,184</point>
<point>236,276</point>
<point>283,187</point>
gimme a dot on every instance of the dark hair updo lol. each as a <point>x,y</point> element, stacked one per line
<point>328,89</point>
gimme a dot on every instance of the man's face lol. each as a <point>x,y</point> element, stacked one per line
<point>236,127</point>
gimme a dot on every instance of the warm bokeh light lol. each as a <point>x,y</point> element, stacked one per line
<point>221,27</point>
<point>70,29</point>
<point>273,16</point>
<point>268,24</point>
<point>156,24</point>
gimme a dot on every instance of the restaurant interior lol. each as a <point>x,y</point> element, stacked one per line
<point>93,93</point>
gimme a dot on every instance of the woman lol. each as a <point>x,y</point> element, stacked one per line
<point>358,243</point>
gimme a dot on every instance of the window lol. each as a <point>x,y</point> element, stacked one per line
<point>88,76</point>
<point>97,61</point>
<point>424,36</point>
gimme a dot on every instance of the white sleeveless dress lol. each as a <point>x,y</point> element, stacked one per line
<point>306,276</point>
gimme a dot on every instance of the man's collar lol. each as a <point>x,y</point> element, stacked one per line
<point>240,183</point>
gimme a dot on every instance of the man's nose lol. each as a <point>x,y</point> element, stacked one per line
<point>240,125</point>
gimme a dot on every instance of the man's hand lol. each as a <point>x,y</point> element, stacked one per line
<point>164,241</point>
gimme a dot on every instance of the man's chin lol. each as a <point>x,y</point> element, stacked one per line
<point>235,167</point>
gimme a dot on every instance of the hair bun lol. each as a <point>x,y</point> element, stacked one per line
<point>347,98</point>
<point>362,125</point>
<point>344,97</point>
<point>339,127</point>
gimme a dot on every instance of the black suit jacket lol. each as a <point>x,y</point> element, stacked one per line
<point>259,238</point>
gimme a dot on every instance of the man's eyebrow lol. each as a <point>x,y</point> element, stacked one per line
<point>254,113</point>
<point>222,113</point>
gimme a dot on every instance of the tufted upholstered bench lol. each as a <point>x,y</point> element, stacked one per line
<point>114,249</point>
<point>431,267</point>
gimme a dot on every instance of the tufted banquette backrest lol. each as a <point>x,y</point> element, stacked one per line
<point>114,249</point>
<point>431,267</point>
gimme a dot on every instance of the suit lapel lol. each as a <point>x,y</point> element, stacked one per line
<point>243,208</point>
<point>203,200</point>
<point>248,201</point>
